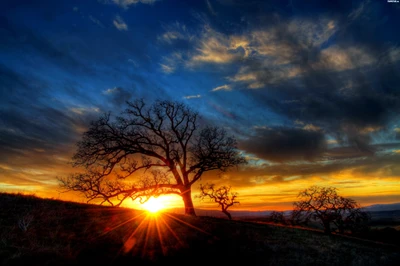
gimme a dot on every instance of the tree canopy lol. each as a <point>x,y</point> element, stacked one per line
<point>324,205</point>
<point>223,196</point>
<point>149,150</point>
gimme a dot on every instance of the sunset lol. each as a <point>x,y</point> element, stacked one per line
<point>214,108</point>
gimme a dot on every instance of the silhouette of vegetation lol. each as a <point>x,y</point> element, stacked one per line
<point>332,211</point>
<point>277,217</point>
<point>222,195</point>
<point>149,150</point>
<point>68,233</point>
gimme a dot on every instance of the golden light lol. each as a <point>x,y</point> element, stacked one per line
<point>153,205</point>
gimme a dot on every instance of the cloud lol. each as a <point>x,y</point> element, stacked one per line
<point>357,12</point>
<point>126,3</point>
<point>96,21</point>
<point>120,24</point>
<point>339,59</point>
<point>174,32</point>
<point>326,71</point>
<point>171,62</point>
<point>192,96</point>
<point>332,87</point>
<point>283,144</point>
<point>167,69</point>
<point>215,47</point>
<point>118,95</point>
<point>222,88</point>
<point>347,163</point>
<point>210,8</point>
<point>170,36</point>
<point>397,133</point>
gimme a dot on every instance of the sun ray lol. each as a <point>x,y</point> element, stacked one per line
<point>119,225</point>
<point>172,231</point>
<point>147,236</point>
<point>160,237</point>
<point>130,242</point>
<point>188,224</point>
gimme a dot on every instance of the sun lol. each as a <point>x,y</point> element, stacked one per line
<point>153,205</point>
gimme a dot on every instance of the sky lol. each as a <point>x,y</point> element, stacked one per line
<point>310,89</point>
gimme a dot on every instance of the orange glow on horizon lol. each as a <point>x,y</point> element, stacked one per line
<point>154,205</point>
<point>367,188</point>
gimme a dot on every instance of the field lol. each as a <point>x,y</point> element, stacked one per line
<point>36,231</point>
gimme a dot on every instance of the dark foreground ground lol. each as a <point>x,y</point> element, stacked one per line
<point>35,231</point>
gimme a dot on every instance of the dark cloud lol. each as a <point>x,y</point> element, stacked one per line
<point>382,166</point>
<point>345,101</point>
<point>282,144</point>
<point>358,166</point>
<point>16,38</point>
<point>43,128</point>
<point>34,125</point>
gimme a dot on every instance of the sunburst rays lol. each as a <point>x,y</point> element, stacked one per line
<point>149,235</point>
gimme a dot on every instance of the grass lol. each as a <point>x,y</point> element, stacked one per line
<point>36,231</point>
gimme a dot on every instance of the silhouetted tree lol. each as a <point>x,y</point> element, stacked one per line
<point>163,139</point>
<point>323,204</point>
<point>357,221</point>
<point>277,217</point>
<point>222,195</point>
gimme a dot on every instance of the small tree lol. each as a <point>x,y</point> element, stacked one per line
<point>324,205</point>
<point>222,195</point>
<point>357,221</point>
<point>149,150</point>
<point>277,217</point>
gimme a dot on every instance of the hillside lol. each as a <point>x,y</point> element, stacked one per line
<point>35,231</point>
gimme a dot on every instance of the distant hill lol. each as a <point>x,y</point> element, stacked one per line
<point>254,214</point>
<point>219,214</point>
<point>384,207</point>
<point>36,231</point>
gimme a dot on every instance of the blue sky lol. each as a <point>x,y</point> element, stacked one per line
<point>310,88</point>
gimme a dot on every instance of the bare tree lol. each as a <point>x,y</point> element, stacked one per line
<point>323,204</point>
<point>222,195</point>
<point>277,217</point>
<point>149,151</point>
<point>356,221</point>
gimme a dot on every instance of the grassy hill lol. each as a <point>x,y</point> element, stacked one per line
<point>36,231</point>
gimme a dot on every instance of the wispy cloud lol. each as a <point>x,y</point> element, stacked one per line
<point>210,8</point>
<point>192,96</point>
<point>120,24</point>
<point>339,59</point>
<point>171,62</point>
<point>215,47</point>
<point>84,110</point>
<point>175,31</point>
<point>126,3</point>
<point>110,91</point>
<point>222,88</point>
<point>117,95</point>
<point>96,21</point>
<point>167,69</point>
<point>357,12</point>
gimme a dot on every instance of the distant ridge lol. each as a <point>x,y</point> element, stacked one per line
<point>219,214</point>
<point>383,207</point>
<point>242,214</point>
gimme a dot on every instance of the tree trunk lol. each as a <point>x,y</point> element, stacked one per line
<point>227,214</point>
<point>187,200</point>
<point>327,227</point>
